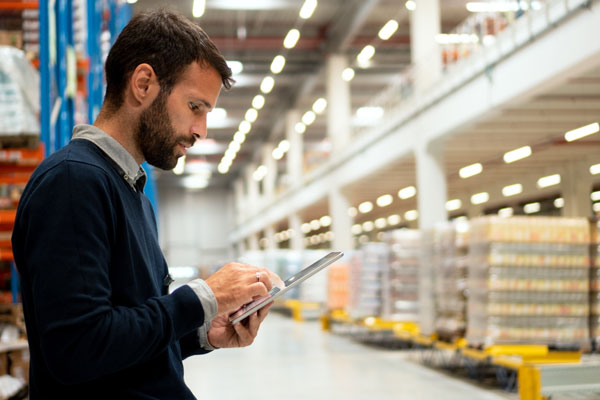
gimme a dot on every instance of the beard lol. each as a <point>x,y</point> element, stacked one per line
<point>156,137</point>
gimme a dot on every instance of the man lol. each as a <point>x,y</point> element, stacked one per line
<point>94,282</point>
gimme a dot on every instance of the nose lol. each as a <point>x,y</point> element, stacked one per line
<point>199,130</point>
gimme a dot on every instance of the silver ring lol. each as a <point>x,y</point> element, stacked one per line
<point>258,276</point>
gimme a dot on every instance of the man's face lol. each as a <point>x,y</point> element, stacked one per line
<point>173,122</point>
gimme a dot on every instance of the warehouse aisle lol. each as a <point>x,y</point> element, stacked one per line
<point>297,361</point>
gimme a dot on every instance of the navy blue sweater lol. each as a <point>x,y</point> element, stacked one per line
<point>100,321</point>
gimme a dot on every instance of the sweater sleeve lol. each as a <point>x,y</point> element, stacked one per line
<point>63,236</point>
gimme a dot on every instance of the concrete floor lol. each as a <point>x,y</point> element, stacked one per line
<point>298,361</point>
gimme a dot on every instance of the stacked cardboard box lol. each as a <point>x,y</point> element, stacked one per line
<point>366,280</point>
<point>528,281</point>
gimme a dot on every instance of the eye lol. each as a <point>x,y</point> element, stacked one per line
<point>193,106</point>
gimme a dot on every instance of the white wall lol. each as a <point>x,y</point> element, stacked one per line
<point>194,226</point>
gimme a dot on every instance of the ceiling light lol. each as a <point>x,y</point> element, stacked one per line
<point>230,154</point>
<point>532,208</point>
<point>517,154</point>
<point>234,146</point>
<point>195,182</point>
<point>549,180</point>
<point>582,132</point>
<point>352,212</point>
<point>394,219</point>
<point>512,190</point>
<point>260,173</point>
<point>300,128</point>
<point>278,64</point>
<point>368,226</point>
<point>411,215</point>
<point>179,168</point>
<point>480,198</point>
<point>595,169</point>
<point>319,105</point>
<point>315,224</point>
<point>356,229</point>
<point>453,205</point>
<point>348,74</point>
<point>284,145</point>
<point>385,200</point>
<point>305,228</point>
<point>291,38</point>
<point>132,1</point>
<point>277,153</point>
<point>366,53</point>
<point>236,67</point>
<point>251,115</point>
<point>559,202</point>
<point>470,170</point>
<point>506,212</point>
<point>258,101</point>
<point>325,220</point>
<point>380,223</point>
<point>595,196</point>
<point>407,192</point>
<point>223,169</point>
<point>365,207</point>
<point>596,207</point>
<point>410,5</point>
<point>308,118</point>
<point>308,8</point>
<point>388,29</point>
<point>245,127</point>
<point>329,236</point>
<point>267,84</point>
<point>198,8</point>
<point>370,113</point>
<point>239,137</point>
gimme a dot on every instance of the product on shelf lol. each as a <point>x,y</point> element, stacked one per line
<point>528,281</point>
<point>19,94</point>
<point>368,268</point>
<point>595,285</point>
<point>427,311</point>
<point>338,285</point>
<point>400,280</point>
<point>450,266</point>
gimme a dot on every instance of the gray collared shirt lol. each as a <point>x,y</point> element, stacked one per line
<point>135,176</point>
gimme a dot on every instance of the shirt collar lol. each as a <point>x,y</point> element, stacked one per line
<point>130,170</point>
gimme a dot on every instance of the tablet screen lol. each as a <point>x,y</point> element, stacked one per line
<point>292,281</point>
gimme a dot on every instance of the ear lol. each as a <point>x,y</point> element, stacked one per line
<point>143,85</point>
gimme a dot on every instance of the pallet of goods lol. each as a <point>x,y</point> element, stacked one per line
<point>528,280</point>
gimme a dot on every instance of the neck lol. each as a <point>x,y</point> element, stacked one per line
<point>122,129</point>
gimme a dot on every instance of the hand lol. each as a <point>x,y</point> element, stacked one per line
<point>223,334</point>
<point>235,285</point>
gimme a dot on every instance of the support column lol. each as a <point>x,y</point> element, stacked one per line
<point>270,236</point>
<point>295,154</point>
<point>297,239</point>
<point>252,190</point>
<point>253,242</point>
<point>425,25</point>
<point>269,180</point>
<point>576,186</point>
<point>342,222</point>
<point>238,200</point>
<point>431,185</point>
<point>339,112</point>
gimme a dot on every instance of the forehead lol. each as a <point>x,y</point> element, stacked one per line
<point>200,81</point>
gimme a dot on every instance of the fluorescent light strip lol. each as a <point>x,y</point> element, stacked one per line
<point>582,132</point>
<point>198,8</point>
<point>532,208</point>
<point>308,118</point>
<point>319,105</point>
<point>407,192</point>
<point>348,74</point>
<point>512,190</point>
<point>385,200</point>
<point>559,202</point>
<point>277,64</point>
<point>549,180</point>
<point>411,215</point>
<point>470,170</point>
<point>453,205</point>
<point>365,207</point>
<point>291,38</point>
<point>517,154</point>
<point>267,84</point>
<point>595,169</point>
<point>258,101</point>
<point>480,198</point>
<point>388,29</point>
<point>308,8</point>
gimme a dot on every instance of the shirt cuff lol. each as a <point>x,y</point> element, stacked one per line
<point>206,297</point>
<point>203,337</point>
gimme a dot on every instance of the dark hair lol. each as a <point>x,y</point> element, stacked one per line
<point>168,42</point>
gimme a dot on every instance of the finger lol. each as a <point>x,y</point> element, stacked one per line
<point>243,333</point>
<point>253,325</point>
<point>265,278</point>
<point>257,289</point>
<point>263,312</point>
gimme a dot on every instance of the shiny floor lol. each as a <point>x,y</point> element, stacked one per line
<point>298,361</point>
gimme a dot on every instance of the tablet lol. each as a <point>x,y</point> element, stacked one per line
<point>291,282</point>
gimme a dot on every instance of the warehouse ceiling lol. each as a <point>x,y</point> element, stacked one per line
<point>253,32</point>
